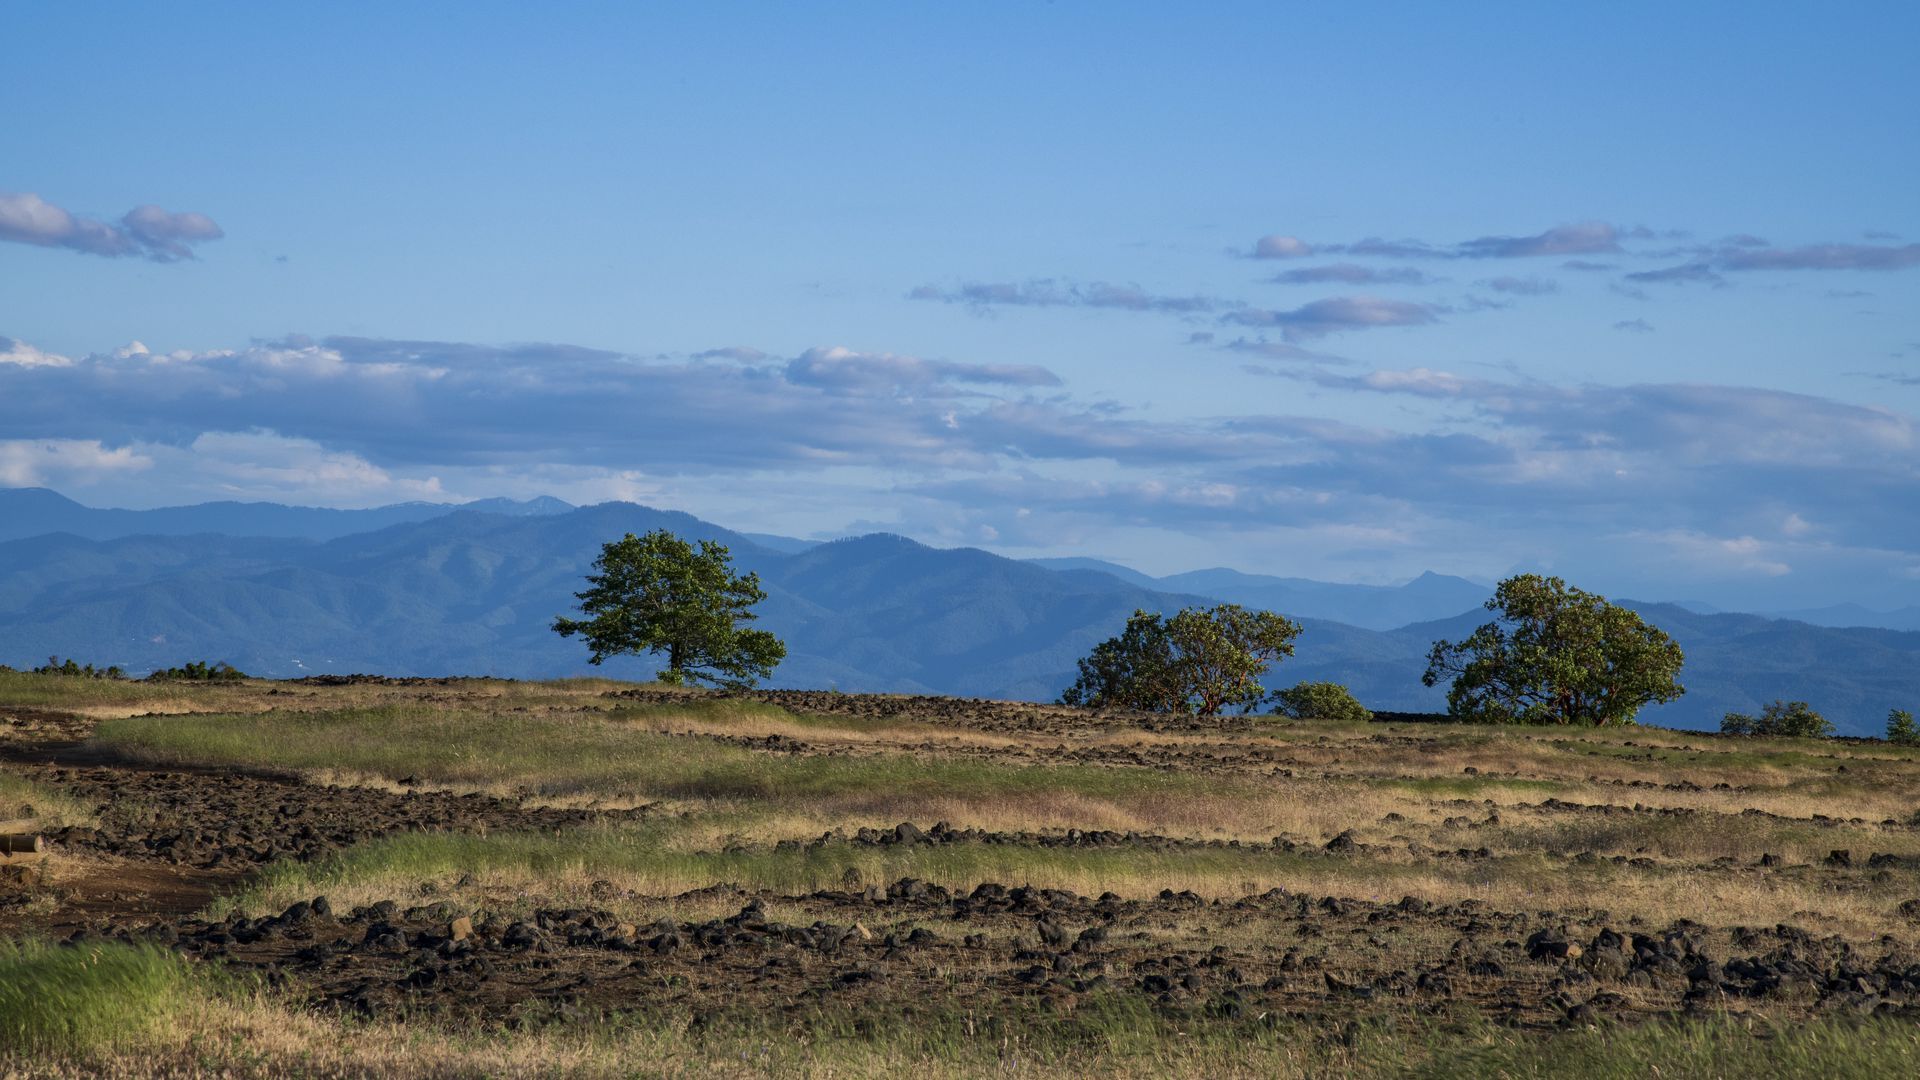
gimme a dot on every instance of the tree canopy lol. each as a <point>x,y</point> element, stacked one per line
<point>1199,661</point>
<point>1321,701</point>
<point>1788,719</point>
<point>657,594</point>
<point>1556,655</point>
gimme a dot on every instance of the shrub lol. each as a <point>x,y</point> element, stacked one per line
<point>1320,701</point>
<point>1901,730</point>
<point>71,669</point>
<point>1789,719</point>
<point>200,671</point>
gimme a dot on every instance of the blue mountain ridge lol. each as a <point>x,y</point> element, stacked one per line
<point>467,591</point>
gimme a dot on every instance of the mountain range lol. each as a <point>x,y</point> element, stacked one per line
<point>431,589</point>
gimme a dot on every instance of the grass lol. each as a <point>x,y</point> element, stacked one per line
<point>589,756</point>
<point>170,1020</point>
<point>39,806</point>
<point>1723,1048</point>
<point>26,690</point>
<point>57,999</point>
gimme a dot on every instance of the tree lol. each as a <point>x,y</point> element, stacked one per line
<point>1556,655</point>
<point>1789,719</point>
<point>656,594</point>
<point>1901,730</point>
<point>1200,661</point>
<point>1321,701</point>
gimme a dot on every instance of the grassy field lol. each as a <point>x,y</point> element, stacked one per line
<point>1489,834</point>
<point>124,1011</point>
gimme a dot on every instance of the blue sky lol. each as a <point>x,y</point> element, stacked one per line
<point>1342,291</point>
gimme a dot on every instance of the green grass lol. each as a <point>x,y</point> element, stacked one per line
<point>63,691</point>
<point>56,998</point>
<point>1727,1047</point>
<point>45,807</point>
<point>593,754</point>
<point>650,859</point>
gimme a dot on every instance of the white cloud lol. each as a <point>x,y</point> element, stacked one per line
<point>15,351</point>
<point>61,462</point>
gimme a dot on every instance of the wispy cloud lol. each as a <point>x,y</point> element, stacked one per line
<point>1336,315</point>
<point>1352,274</point>
<point>1522,286</point>
<point>1047,292</point>
<point>1825,257</point>
<point>145,231</point>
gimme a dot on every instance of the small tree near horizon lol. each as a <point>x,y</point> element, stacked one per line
<point>1321,701</point>
<point>657,594</point>
<point>1556,655</point>
<point>1785,719</point>
<point>1901,730</point>
<point>1199,661</point>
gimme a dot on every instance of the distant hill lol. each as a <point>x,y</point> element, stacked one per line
<point>474,591</point>
<point>1375,607</point>
<point>1906,618</point>
<point>28,512</point>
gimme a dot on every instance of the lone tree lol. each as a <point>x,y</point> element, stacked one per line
<point>1556,655</point>
<point>1901,730</point>
<point>1200,661</point>
<point>656,594</point>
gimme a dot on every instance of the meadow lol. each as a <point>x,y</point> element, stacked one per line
<point>476,877</point>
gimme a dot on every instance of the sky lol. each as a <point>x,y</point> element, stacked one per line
<point>1628,293</point>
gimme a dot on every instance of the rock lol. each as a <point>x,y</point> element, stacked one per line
<point>460,929</point>
<point>1343,843</point>
<point>1840,857</point>
<point>907,833</point>
<point>1551,945</point>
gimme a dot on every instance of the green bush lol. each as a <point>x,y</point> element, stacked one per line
<point>55,666</point>
<point>199,671</point>
<point>1790,719</point>
<point>1901,730</point>
<point>1320,701</point>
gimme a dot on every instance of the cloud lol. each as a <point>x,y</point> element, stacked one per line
<point>1275,350</point>
<point>744,354</point>
<point>17,352</point>
<point>145,231</point>
<point>1352,274</point>
<point>49,462</point>
<point>1584,238</point>
<point>1586,265</point>
<point>1587,238</point>
<point>1685,273</point>
<point>1523,286</point>
<point>402,404</point>
<point>1825,257</point>
<point>845,369</point>
<point>1500,466</point>
<point>1281,247</point>
<point>1716,553</point>
<point>1336,315</point>
<point>1634,326</point>
<point>1049,293</point>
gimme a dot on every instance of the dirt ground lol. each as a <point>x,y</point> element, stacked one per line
<point>168,841</point>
